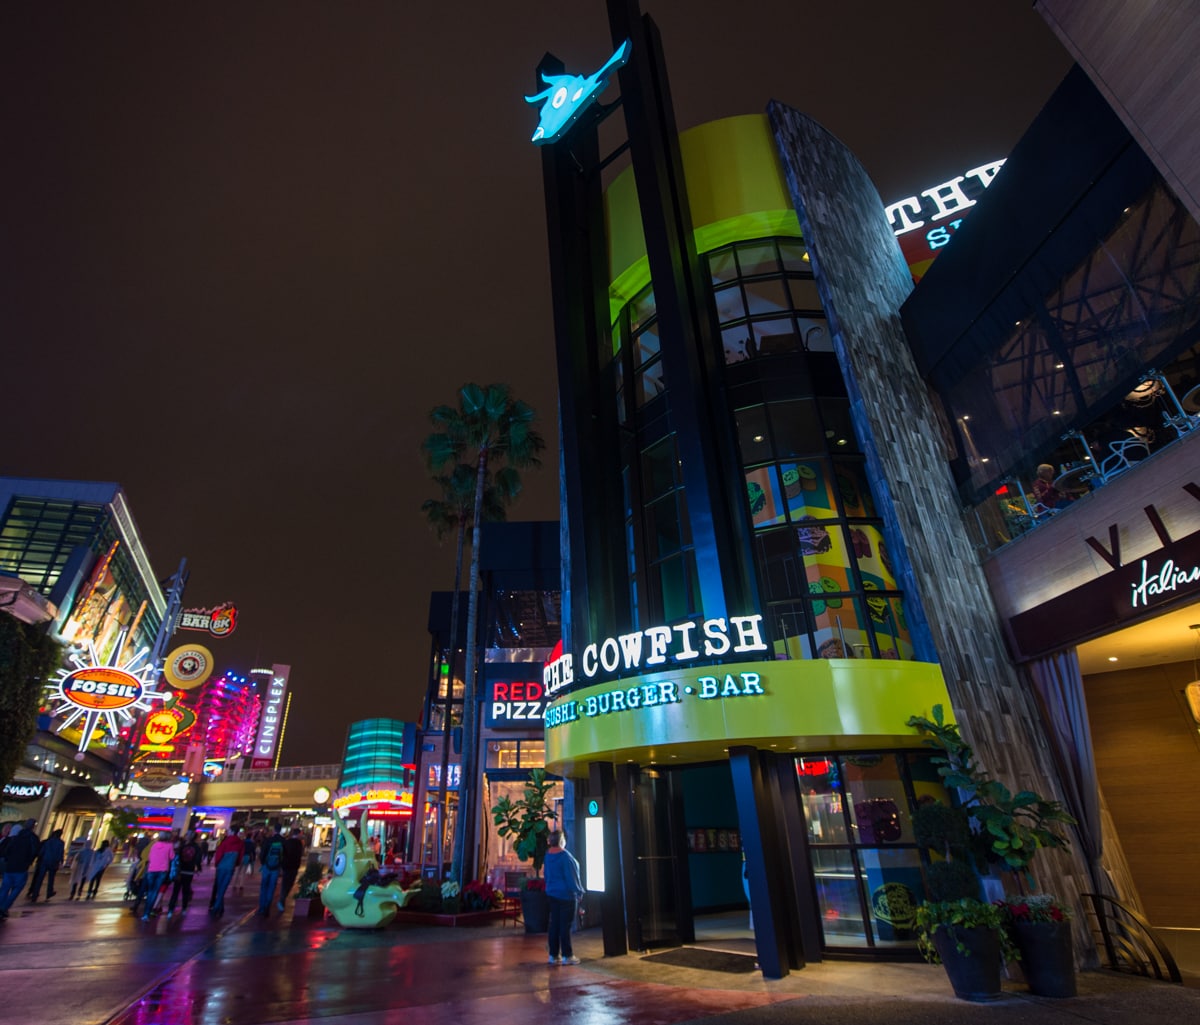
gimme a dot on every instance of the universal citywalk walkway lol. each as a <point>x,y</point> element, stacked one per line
<point>92,963</point>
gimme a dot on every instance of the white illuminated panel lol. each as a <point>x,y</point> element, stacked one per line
<point>593,846</point>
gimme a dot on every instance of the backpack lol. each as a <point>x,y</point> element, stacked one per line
<point>274,855</point>
<point>188,855</point>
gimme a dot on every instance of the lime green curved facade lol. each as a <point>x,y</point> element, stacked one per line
<point>798,706</point>
<point>736,190</point>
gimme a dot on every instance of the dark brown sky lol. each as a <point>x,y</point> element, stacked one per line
<point>245,247</point>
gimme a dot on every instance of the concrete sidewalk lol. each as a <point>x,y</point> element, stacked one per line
<point>95,964</point>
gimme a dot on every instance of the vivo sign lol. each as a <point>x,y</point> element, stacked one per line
<point>270,725</point>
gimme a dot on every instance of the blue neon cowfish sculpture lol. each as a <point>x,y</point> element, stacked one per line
<point>567,96</point>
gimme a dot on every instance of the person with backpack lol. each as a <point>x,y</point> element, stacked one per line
<point>272,865</point>
<point>188,858</point>
<point>19,851</point>
<point>49,861</point>
<point>293,855</point>
<point>228,857</point>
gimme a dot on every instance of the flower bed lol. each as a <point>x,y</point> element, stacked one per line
<point>465,918</point>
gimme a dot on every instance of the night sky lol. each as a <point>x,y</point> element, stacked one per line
<point>245,247</point>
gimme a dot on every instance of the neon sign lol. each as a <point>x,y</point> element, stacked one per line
<point>568,96</point>
<point>219,621</point>
<point>96,691</point>
<point>648,695</point>
<point>1168,578</point>
<point>654,645</point>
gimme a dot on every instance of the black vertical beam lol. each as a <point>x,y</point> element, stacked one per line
<point>685,919</point>
<point>625,778</point>
<point>602,785</point>
<point>707,448</point>
<point>763,868</point>
<point>591,499</point>
<point>803,910</point>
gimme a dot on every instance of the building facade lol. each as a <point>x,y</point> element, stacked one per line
<point>77,545</point>
<point>767,566</point>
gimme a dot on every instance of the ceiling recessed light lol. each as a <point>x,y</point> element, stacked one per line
<point>1112,658</point>
<point>758,438</point>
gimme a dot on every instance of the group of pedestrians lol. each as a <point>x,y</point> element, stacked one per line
<point>22,852</point>
<point>172,863</point>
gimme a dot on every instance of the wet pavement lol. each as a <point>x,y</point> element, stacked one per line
<point>93,963</point>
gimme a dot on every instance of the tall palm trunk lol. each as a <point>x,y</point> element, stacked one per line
<point>443,779</point>
<point>460,871</point>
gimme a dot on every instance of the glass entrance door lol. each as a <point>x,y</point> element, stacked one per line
<point>662,910</point>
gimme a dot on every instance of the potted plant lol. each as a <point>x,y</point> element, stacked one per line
<point>1013,828</point>
<point>955,926</point>
<point>308,892</point>
<point>527,821</point>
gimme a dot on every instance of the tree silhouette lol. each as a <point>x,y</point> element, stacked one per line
<point>494,432</point>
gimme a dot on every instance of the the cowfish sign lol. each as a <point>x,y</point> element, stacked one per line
<point>658,647</point>
<point>567,96</point>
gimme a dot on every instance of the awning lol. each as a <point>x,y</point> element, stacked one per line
<point>82,799</point>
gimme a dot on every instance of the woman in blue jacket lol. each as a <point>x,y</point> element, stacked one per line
<point>563,889</point>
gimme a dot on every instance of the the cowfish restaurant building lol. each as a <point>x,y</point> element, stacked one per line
<point>765,567</point>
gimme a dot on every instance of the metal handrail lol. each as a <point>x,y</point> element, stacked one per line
<point>288,772</point>
<point>1129,941</point>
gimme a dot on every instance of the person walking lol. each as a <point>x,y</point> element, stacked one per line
<point>249,847</point>
<point>272,865</point>
<point>293,858</point>
<point>158,868</point>
<point>49,861</point>
<point>19,851</point>
<point>95,871</point>
<point>563,888</point>
<point>80,862</point>
<point>188,859</point>
<point>228,857</point>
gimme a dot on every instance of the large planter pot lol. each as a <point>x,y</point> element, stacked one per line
<point>1047,957</point>
<point>535,910</point>
<point>974,975</point>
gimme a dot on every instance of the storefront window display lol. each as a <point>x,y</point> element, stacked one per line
<point>866,864</point>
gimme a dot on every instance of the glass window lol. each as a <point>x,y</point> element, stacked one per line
<point>815,332</point>
<point>737,343</point>
<point>795,256</point>
<point>839,427</point>
<point>756,258</point>
<point>804,294</point>
<point>729,304</point>
<point>650,382</point>
<point>807,491</point>
<point>674,576</point>
<point>766,298</point>
<point>662,528</point>
<point>895,886</point>
<point>762,492</point>
<point>852,489</point>
<point>789,622</point>
<point>753,440</point>
<point>658,469</point>
<point>721,265</point>
<point>796,429</point>
<point>778,565</point>
<point>773,337</point>
<point>642,308</point>
<point>646,346</point>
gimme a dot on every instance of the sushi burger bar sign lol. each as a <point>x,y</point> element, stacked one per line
<point>656,647</point>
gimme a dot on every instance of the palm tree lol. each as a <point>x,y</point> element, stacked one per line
<point>496,433</point>
<point>453,513</point>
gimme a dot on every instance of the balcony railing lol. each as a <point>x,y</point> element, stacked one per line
<point>286,773</point>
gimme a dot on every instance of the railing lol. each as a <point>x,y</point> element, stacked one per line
<point>1127,940</point>
<point>288,772</point>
